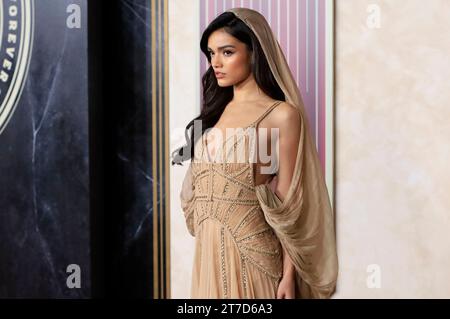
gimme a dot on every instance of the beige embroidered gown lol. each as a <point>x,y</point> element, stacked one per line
<point>237,254</point>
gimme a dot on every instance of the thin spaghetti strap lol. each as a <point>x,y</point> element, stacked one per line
<point>259,119</point>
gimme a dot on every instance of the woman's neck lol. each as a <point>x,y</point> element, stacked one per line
<point>248,91</point>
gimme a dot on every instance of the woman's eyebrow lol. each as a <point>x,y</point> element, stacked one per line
<point>224,46</point>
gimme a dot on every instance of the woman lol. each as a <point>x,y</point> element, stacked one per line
<point>258,234</point>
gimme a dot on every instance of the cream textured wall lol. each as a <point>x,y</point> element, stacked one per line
<point>392,145</point>
<point>392,148</point>
<point>184,81</point>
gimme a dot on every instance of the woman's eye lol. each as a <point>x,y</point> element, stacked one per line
<point>225,52</point>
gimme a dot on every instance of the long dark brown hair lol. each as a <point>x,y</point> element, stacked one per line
<point>216,98</point>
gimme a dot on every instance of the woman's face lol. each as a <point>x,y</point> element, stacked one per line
<point>230,57</point>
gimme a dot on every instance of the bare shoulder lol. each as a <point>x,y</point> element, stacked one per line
<point>285,115</point>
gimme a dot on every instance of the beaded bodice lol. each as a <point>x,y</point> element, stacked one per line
<point>224,193</point>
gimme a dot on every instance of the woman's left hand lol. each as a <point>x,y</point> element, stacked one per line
<point>286,288</point>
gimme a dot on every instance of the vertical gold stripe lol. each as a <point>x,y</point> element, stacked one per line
<point>166,135</point>
<point>160,114</point>
<point>154,200</point>
<point>160,176</point>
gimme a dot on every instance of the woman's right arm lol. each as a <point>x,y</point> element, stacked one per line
<point>187,200</point>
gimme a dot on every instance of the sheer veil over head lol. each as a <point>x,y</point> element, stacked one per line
<point>304,220</point>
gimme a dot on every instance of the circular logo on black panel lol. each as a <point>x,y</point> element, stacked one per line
<point>16,41</point>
